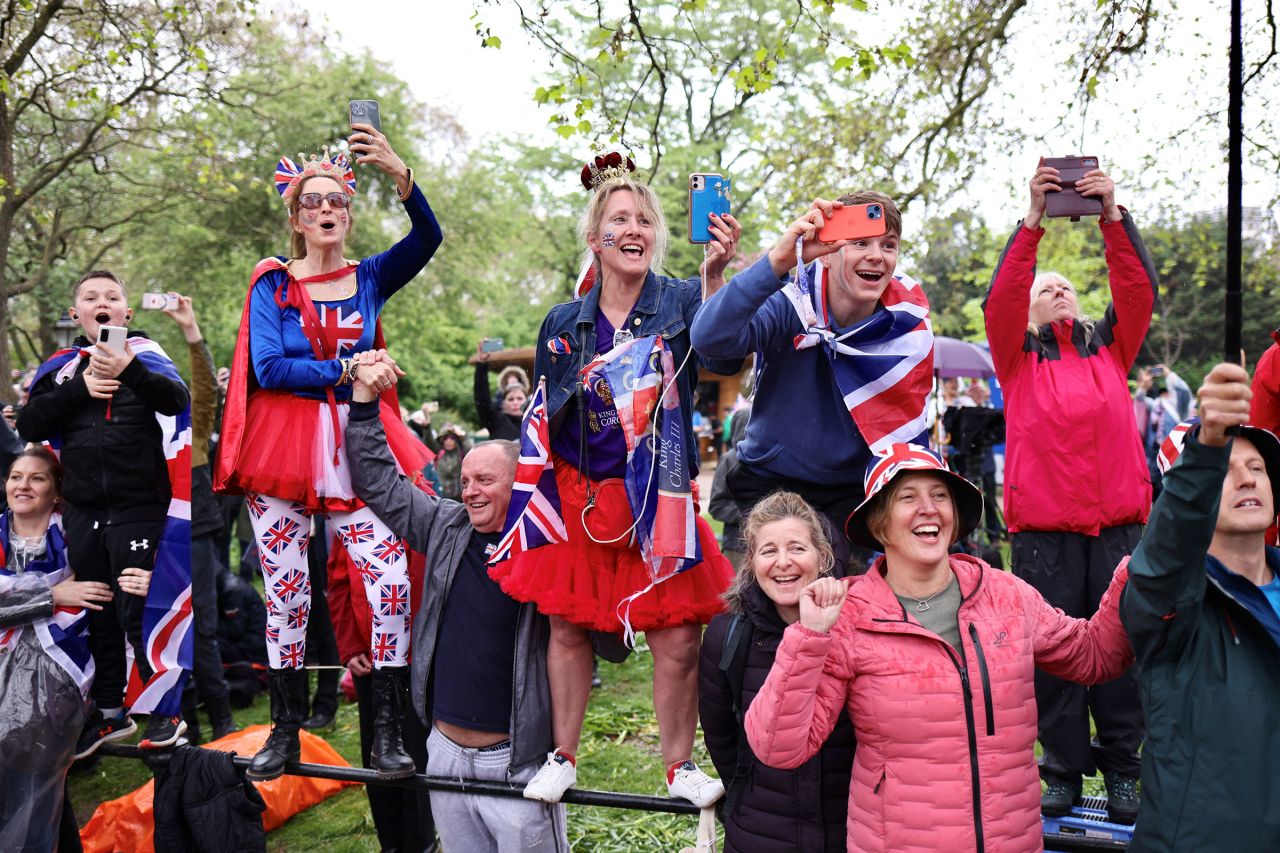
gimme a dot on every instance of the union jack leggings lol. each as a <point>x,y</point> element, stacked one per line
<point>282,530</point>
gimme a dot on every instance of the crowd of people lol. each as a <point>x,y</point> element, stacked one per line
<point>866,679</point>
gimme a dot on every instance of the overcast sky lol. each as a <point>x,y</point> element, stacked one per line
<point>434,48</point>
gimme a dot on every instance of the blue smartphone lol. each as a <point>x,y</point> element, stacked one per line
<point>708,193</point>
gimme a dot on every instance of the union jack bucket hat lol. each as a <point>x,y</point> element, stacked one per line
<point>1263,439</point>
<point>886,466</point>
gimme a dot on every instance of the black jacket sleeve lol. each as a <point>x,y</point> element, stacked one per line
<point>484,405</point>
<point>715,702</point>
<point>50,406</point>
<point>1167,580</point>
<point>403,507</point>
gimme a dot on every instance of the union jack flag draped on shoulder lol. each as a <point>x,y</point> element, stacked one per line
<point>889,372</point>
<point>64,636</point>
<point>166,617</point>
<point>533,517</point>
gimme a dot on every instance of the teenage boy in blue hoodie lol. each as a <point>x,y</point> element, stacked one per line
<point>844,359</point>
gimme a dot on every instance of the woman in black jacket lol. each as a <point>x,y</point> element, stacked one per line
<point>502,422</point>
<point>767,809</point>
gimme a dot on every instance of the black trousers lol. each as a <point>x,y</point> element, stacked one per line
<point>206,659</point>
<point>99,551</point>
<point>1072,571</point>
<point>402,816</point>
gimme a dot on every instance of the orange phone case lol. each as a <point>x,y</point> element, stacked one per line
<point>854,222</point>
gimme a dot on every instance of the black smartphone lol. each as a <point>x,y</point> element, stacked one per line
<point>364,112</point>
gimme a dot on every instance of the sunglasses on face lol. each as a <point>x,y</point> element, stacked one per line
<point>311,201</point>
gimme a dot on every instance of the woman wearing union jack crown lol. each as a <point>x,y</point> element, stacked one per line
<point>618,373</point>
<point>306,321</point>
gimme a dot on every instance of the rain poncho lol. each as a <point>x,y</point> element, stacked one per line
<point>45,672</point>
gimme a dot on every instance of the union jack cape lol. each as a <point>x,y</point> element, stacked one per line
<point>244,382</point>
<point>64,636</point>
<point>888,372</point>
<point>166,617</point>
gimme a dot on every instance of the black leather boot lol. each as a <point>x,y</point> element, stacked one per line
<point>220,719</point>
<point>387,754</point>
<point>288,689</point>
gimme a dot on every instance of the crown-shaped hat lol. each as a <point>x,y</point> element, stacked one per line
<point>604,167</point>
<point>290,175</point>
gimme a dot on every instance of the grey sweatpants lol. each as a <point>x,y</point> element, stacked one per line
<point>469,823</point>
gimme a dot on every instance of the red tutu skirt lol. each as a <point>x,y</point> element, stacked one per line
<point>583,581</point>
<point>289,451</point>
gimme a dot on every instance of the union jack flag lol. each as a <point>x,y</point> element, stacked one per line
<point>292,655</point>
<point>370,573</point>
<point>533,517</point>
<point>280,535</point>
<point>886,378</point>
<point>634,374</point>
<point>383,647</point>
<point>394,600</point>
<point>273,631</point>
<point>360,531</point>
<point>297,617</point>
<point>389,549</point>
<point>289,585</point>
<point>641,377</point>
<point>1171,447</point>
<point>63,634</point>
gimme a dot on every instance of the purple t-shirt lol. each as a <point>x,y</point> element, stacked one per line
<point>606,445</point>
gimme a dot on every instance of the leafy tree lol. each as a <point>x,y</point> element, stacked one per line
<point>791,98</point>
<point>507,252</point>
<point>83,87</point>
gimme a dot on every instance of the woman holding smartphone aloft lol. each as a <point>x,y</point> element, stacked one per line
<point>581,583</point>
<point>1077,486</point>
<point>305,320</point>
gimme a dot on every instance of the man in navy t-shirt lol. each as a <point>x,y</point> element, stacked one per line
<point>479,658</point>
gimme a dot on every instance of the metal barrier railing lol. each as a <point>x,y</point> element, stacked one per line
<point>574,796</point>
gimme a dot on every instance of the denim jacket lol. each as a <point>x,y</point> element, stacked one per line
<point>666,306</point>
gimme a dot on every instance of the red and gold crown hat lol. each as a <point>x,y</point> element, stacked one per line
<point>290,175</point>
<point>604,167</point>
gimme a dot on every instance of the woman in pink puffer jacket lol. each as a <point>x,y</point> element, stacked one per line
<point>933,655</point>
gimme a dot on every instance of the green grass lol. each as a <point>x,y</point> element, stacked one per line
<point>619,752</point>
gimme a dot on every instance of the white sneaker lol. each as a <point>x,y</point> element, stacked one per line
<point>695,786</point>
<point>552,779</point>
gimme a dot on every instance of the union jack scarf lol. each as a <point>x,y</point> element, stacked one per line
<point>64,636</point>
<point>887,379</point>
<point>533,516</point>
<point>640,375</point>
<point>166,617</point>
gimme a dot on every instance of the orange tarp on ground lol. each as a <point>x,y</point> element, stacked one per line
<point>126,825</point>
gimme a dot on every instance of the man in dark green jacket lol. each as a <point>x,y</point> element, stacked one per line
<point>1202,609</point>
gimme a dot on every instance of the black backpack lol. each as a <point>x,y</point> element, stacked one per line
<point>733,663</point>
